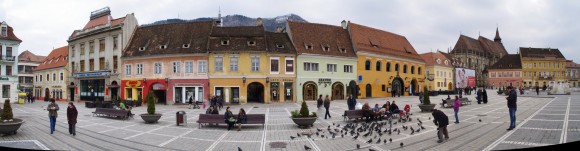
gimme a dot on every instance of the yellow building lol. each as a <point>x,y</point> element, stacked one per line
<point>439,71</point>
<point>542,66</point>
<point>247,64</point>
<point>387,63</point>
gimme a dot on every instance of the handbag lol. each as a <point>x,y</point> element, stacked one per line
<point>232,120</point>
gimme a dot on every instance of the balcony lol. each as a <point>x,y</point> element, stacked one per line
<point>7,58</point>
<point>25,72</point>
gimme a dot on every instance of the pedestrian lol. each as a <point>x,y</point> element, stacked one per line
<point>229,118</point>
<point>399,93</point>
<point>393,93</point>
<point>327,107</point>
<point>484,94</point>
<point>190,102</point>
<point>220,102</point>
<point>71,114</point>
<point>52,114</point>
<point>456,105</point>
<point>512,105</point>
<point>319,101</point>
<point>351,102</point>
<point>441,121</point>
<point>242,118</point>
<point>212,101</point>
<point>215,110</point>
<point>394,108</point>
<point>537,90</point>
<point>479,98</point>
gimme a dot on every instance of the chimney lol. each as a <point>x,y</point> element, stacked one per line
<point>259,21</point>
<point>279,29</point>
<point>343,23</point>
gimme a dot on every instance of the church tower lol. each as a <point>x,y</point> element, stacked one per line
<point>497,38</point>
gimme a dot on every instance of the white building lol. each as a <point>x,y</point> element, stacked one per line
<point>8,63</point>
<point>27,62</point>
<point>95,52</point>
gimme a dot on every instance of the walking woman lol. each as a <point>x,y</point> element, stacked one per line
<point>52,114</point>
<point>484,96</point>
<point>72,114</point>
<point>327,107</point>
<point>229,118</point>
<point>456,105</point>
<point>242,118</point>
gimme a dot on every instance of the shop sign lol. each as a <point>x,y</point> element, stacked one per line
<point>92,74</point>
<point>133,83</point>
<point>324,81</point>
<point>188,84</point>
<point>4,78</point>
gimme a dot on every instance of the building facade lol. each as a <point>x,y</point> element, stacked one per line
<point>170,60</point>
<point>51,76</point>
<point>248,64</point>
<point>27,62</point>
<point>326,61</point>
<point>506,72</point>
<point>8,62</point>
<point>542,66</point>
<point>386,62</point>
<point>479,55</point>
<point>573,73</point>
<point>439,71</point>
<point>95,53</point>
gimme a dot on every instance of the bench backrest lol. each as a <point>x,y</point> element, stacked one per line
<point>255,118</point>
<point>353,113</point>
<point>464,99</point>
<point>219,118</point>
<point>111,111</point>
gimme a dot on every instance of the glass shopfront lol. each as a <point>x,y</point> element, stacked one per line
<point>183,94</point>
<point>92,89</point>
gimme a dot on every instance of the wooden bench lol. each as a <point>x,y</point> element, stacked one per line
<point>447,102</point>
<point>219,119</point>
<point>464,101</point>
<point>352,114</point>
<point>123,114</point>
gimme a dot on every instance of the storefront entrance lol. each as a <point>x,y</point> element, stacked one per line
<point>369,92</point>
<point>92,90</point>
<point>310,91</point>
<point>187,93</point>
<point>337,91</point>
<point>256,92</point>
<point>275,91</point>
<point>397,87</point>
<point>289,91</point>
<point>160,93</point>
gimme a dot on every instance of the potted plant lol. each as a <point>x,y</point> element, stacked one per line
<point>151,117</point>
<point>8,124</point>
<point>302,118</point>
<point>426,106</point>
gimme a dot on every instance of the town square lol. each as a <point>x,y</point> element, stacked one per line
<point>265,75</point>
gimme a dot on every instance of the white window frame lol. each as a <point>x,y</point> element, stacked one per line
<point>311,65</point>
<point>188,69</point>
<point>139,68</point>
<point>61,77</point>
<point>157,65</point>
<point>330,67</point>
<point>234,66</point>
<point>255,68</point>
<point>275,58</point>
<point>128,69</point>
<point>293,65</point>
<point>219,68</point>
<point>349,69</point>
<point>176,67</point>
<point>202,66</point>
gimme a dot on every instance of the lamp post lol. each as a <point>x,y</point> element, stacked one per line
<point>166,86</point>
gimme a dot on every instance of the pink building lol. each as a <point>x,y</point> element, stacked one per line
<point>506,72</point>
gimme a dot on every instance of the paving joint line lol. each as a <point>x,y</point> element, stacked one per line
<point>564,133</point>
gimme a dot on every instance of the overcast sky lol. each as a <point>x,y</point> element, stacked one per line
<point>428,24</point>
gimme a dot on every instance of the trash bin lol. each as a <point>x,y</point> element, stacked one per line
<point>181,118</point>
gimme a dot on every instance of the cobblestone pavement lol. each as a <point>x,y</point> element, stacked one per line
<point>542,120</point>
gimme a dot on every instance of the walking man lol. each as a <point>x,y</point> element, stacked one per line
<point>537,90</point>
<point>512,105</point>
<point>479,99</point>
<point>441,120</point>
<point>327,106</point>
<point>52,114</point>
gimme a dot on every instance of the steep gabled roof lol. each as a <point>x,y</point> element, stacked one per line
<point>541,53</point>
<point>481,45</point>
<point>57,58</point>
<point>382,42</point>
<point>510,61</point>
<point>10,35</point>
<point>27,56</point>
<point>319,37</point>
<point>431,59</point>
<point>175,38</point>
<point>491,46</point>
<point>467,43</point>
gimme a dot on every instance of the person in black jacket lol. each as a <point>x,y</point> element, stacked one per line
<point>479,97</point>
<point>441,120</point>
<point>242,118</point>
<point>484,96</point>
<point>319,102</point>
<point>229,118</point>
<point>351,102</point>
<point>72,114</point>
<point>512,105</point>
<point>537,90</point>
<point>327,107</point>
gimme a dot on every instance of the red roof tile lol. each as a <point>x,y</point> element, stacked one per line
<point>102,21</point>
<point>28,56</point>
<point>431,59</point>
<point>382,42</point>
<point>60,54</point>
<point>319,35</point>
<point>10,35</point>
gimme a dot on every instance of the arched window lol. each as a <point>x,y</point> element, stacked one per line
<point>397,67</point>
<point>378,66</point>
<point>368,65</point>
<point>419,70</point>
<point>388,67</point>
<point>404,68</point>
<point>412,69</point>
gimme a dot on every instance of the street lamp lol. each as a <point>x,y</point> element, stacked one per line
<point>244,79</point>
<point>166,85</point>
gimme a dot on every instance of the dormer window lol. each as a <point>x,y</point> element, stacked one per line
<point>185,46</point>
<point>309,46</point>
<point>56,60</point>
<point>50,61</point>
<point>4,32</point>
<point>279,46</point>
<point>326,48</point>
<point>225,42</point>
<point>163,46</point>
<point>446,62</point>
<point>141,48</point>
<point>343,50</point>
<point>252,43</point>
<point>438,61</point>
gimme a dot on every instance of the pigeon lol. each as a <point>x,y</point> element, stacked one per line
<point>338,125</point>
<point>401,144</point>
<point>333,124</point>
<point>420,121</point>
<point>298,134</point>
<point>318,129</point>
<point>390,140</point>
<point>357,146</point>
<point>412,129</point>
<point>370,149</point>
<point>317,133</point>
<point>292,137</point>
<point>370,141</point>
<point>308,148</point>
<point>379,141</point>
<point>429,118</point>
<point>395,123</point>
<point>398,132</point>
<point>322,136</point>
<point>328,126</point>
<point>342,135</point>
<point>239,149</point>
<point>355,137</point>
<point>385,141</point>
<point>479,120</point>
<point>422,127</point>
<point>418,130</point>
<point>412,132</point>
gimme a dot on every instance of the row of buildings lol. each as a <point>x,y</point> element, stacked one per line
<point>116,58</point>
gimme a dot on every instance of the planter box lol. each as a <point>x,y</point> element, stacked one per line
<point>10,127</point>
<point>426,108</point>
<point>151,118</point>
<point>304,122</point>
